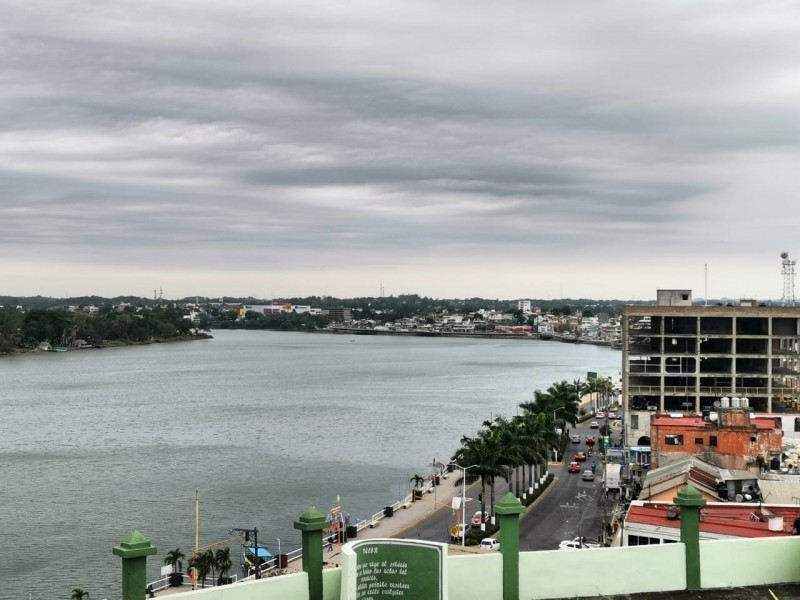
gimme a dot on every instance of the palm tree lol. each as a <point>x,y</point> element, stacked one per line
<point>79,594</point>
<point>200,563</point>
<point>224,564</point>
<point>417,480</point>
<point>175,558</point>
<point>211,561</point>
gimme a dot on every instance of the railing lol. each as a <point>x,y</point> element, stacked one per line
<point>373,521</point>
<point>710,391</point>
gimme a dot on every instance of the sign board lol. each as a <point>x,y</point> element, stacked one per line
<point>166,570</point>
<point>389,569</point>
<point>591,375</point>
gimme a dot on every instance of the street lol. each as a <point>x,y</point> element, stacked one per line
<point>570,507</point>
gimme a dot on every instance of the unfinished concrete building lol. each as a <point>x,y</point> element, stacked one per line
<point>679,357</point>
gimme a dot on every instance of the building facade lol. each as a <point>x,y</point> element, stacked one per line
<point>728,438</point>
<point>681,357</point>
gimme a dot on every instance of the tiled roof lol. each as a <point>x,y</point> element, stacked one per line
<point>723,518</point>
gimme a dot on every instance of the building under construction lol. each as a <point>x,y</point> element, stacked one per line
<point>683,358</point>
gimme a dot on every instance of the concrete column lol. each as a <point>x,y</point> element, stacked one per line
<point>311,523</point>
<point>134,551</point>
<point>508,510</point>
<point>690,501</point>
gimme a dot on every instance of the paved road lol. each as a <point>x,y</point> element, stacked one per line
<point>569,507</point>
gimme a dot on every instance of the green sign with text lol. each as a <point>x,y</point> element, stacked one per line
<point>387,569</point>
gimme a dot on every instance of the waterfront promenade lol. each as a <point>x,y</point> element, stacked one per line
<point>406,517</point>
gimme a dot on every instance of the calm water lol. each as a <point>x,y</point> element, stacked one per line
<point>262,424</point>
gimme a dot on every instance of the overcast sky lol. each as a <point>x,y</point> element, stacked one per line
<point>446,148</point>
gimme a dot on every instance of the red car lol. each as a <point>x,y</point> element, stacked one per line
<point>574,467</point>
<point>579,456</point>
<point>590,441</point>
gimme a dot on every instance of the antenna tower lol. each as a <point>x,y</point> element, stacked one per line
<point>788,279</point>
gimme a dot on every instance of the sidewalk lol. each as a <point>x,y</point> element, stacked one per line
<point>438,499</point>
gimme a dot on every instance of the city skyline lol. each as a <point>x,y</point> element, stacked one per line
<point>451,150</point>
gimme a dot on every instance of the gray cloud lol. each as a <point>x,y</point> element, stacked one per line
<point>200,136</point>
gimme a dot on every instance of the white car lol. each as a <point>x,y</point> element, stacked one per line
<point>577,544</point>
<point>600,414</point>
<point>490,544</point>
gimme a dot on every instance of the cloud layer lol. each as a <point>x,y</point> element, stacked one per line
<point>531,149</point>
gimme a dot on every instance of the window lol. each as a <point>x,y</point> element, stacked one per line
<point>753,439</point>
<point>673,440</point>
<point>641,540</point>
<point>634,421</point>
<point>698,441</point>
<point>712,440</point>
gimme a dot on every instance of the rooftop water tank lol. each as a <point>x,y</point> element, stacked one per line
<point>735,402</point>
<point>726,402</point>
<point>776,523</point>
<point>745,401</point>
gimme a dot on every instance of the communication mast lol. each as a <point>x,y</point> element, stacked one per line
<point>788,279</point>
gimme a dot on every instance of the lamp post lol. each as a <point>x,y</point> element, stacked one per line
<point>555,425</point>
<point>254,532</point>
<point>464,501</point>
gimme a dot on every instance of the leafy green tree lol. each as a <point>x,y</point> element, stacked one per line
<point>44,326</point>
<point>79,594</point>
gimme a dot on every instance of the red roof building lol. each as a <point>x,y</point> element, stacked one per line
<point>659,523</point>
<point>729,438</point>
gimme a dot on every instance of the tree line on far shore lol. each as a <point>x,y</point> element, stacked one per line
<point>19,331</point>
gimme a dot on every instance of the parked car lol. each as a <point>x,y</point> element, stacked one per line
<point>580,456</point>
<point>490,544</point>
<point>576,439</point>
<point>479,517</point>
<point>594,425</point>
<point>587,475</point>
<point>577,544</point>
<point>574,467</point>
<point>612,415</point>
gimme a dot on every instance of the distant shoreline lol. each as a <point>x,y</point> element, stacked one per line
<point>114,344</point>
<point>477,335</point>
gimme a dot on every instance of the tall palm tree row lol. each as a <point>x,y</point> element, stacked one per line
<point>517,449</point>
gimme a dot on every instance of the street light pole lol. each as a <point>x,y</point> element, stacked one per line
<point>464,501</point>
<point>247,532</point>
<point>555,425</point>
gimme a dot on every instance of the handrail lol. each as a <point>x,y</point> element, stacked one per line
<point>163,582</point>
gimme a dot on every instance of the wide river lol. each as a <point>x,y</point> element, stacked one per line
<point>262,425</point>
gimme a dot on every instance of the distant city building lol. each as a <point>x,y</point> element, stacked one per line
<point>340,315</point>
<point>524,306</point>
<point>263,309</point>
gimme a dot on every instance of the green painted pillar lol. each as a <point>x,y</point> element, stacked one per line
<point>690,501</point>
<point>508,511</point>
<point>134,551</point>
<point>311,523</point>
